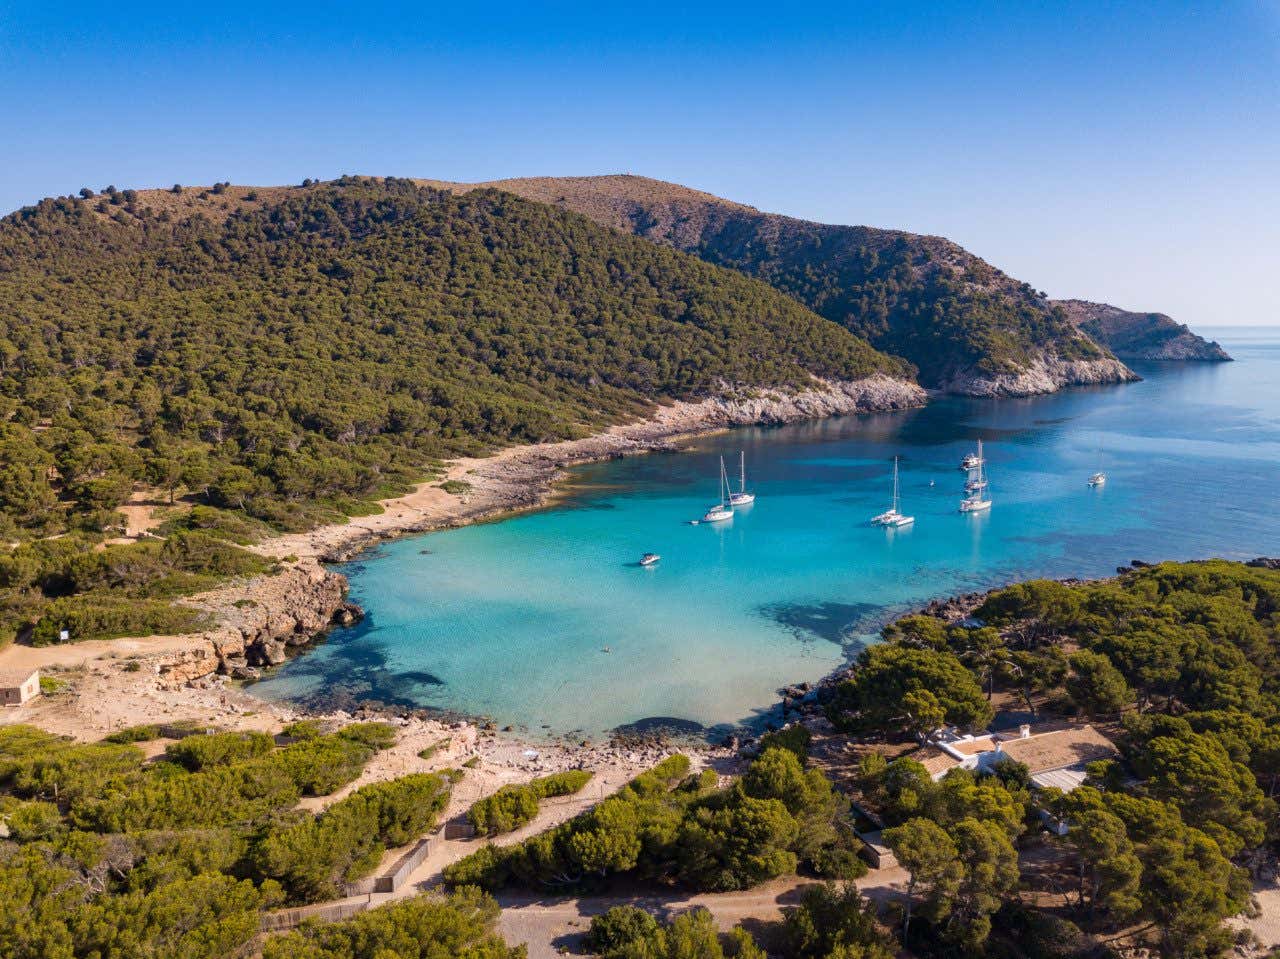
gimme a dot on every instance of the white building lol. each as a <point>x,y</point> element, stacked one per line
<point>17,687</point>
<point>1055,757</point>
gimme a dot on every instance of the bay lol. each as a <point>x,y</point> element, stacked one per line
<point>545,621</point>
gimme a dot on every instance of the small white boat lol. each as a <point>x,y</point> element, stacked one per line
<point>721,511</point>
<point>742,497</point>
<point>1097,479</point>
<point>974,504</point>
<point>649,559</point>
<point>892,517</point>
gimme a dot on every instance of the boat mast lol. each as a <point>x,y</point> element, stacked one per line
<point>742,482</point>
<point>895,484</point>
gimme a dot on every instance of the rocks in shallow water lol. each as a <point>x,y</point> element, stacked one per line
<point>244,672</point>
<point>348,614</point>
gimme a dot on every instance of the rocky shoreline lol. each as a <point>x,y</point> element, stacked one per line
<point>1045,375</point>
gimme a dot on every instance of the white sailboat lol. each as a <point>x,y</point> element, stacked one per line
<point>892,517</point>
<point>721,511</point>
<point>742,497</point>
<point>978,499</point>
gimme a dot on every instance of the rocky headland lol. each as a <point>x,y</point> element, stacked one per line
<point>1140,336</point>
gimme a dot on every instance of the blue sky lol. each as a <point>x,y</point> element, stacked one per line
<point>1127,152</point>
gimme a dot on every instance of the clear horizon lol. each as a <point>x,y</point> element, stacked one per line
<point>1123,153</point>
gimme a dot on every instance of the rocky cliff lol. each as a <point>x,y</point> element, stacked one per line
<point>1140,336</point>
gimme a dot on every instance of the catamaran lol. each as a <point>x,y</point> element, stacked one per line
<point>978,500</point>
<point>721,511</point>
<point>742,497</point>
<point>891,516</point>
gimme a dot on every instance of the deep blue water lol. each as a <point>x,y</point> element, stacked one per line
<point>513,619</point>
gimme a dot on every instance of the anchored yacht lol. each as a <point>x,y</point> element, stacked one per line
<point>892,516</point>
<point>721,511</point>
<point>742,497</point>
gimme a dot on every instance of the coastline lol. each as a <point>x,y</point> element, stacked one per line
<point>122,682</point>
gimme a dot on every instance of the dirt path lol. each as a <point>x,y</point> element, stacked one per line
<point>548,926</point>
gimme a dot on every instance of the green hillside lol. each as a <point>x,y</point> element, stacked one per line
<point>924,298</point>
<point>297,351</point>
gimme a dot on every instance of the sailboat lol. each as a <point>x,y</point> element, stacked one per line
<point>721,511</point>
<point>978,500</point>
<point>892,517</point>
<point>976,481</point>
<point>742,497</point>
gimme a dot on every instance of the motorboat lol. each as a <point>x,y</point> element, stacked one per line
<point>973,461</point>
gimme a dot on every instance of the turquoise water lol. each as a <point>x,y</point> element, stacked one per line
<point>513,619</point>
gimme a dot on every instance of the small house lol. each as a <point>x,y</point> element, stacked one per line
<point>18,687</point>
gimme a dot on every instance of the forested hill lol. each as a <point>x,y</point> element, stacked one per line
<point>965,325</point>
<point>1140,336</point>
<point>274,349</point>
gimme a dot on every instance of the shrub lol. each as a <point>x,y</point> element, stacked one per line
<point>426,927</point>
<point>135,734</point>
<point>514,806</point>
<point>794,738</point>
<point>312,856</point>
<point>620,927</point>
<point>218,749</point>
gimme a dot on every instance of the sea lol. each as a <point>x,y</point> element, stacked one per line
<point>547,623</point>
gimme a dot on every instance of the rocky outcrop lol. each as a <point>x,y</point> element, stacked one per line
<point>1046,375</point>
<point>1140,336</point>
<point>261,620</point>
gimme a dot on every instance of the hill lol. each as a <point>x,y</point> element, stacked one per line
<point>966,326</point>
<point>295,352</point>
<point>1140,336</point>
